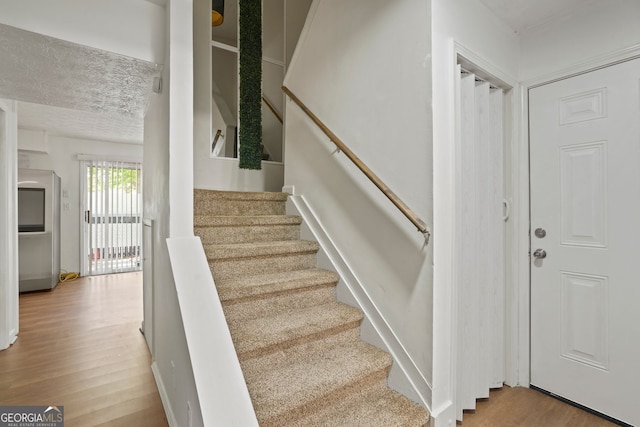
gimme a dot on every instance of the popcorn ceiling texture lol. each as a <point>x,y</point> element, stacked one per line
<point>112,91</point>
<point>80,124</point>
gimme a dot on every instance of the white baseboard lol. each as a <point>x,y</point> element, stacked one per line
<point>405,377</point>
<point>171,418</point>
<point>444,416</point>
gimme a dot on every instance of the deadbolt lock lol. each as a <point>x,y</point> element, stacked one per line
<point>540,233</point>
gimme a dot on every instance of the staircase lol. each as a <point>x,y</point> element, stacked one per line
<point>299,348</point>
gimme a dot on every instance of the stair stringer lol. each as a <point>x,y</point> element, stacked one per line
<point>405,377</point>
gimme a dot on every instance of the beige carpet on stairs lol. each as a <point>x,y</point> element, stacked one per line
<point>299,348</point>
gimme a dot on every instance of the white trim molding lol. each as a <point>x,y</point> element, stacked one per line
<point>9,274</point>
<point>405,376</point>
<point>164,397</point>
<point>222,391</point>
<point>108,158</point>
<point>514,249</point>
<point>601,61</point>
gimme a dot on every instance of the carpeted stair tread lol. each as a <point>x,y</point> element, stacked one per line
<point>275,304</point>
<point>238,289</point>
<point>239,229</point>
<point>223,269</point>
<point>212,202</point>
<point>238,221</point>
<point>264,335</point>
<point>376,406</point>
<point>309,381</point>
<point>259,249</point>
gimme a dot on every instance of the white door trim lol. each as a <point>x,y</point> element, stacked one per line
<point>514,226</point>
<point>446,247</point>
<point>520,181</point>
<point>9,274</point>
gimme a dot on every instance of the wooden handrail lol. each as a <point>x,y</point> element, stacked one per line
<point>215,139</point>
<point>411,216</point>
<point>272,108</point>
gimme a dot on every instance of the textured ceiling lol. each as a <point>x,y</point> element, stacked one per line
<point>80,124</point>
<point>523,15</point>
<point>72,89</point>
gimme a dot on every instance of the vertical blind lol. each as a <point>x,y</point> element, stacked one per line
<point>113,217</point>
<point>480,341</point>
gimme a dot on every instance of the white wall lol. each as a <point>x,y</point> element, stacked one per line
<point>63,160</point>
<point>273,45</point>
<point>203,88</point>
<point>371,84</point>
<point>223,173</point>
<point>476,30</point>
<point>128,27</point>
<point>224,103</point>
<point>295,15</point>
<point>610,26</point>
<point>9,287</point>
<point>182,117</point>
<point>168,184</point>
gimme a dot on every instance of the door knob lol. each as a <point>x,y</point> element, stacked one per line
<point>540,253</point>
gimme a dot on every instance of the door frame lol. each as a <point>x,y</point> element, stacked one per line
<point>85,161</point>
<point>520,258</point>
<point>9,274</point>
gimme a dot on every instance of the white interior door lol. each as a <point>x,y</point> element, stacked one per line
<point>585,214</point>
<point>480,281</point>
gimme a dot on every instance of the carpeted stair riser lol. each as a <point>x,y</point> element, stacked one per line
<point>268,305</point>
<point>236,260</point>
<point>299,348</point>
<point>387,408</point>
<point>218,203</point>
<point>224,231</point>
<point>228,268</point>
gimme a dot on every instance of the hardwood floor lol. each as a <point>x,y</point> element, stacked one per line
<point>79,347</point>
<point>525,407</point>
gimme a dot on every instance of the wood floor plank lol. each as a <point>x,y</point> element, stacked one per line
<point>524,407</point>
<point>79,347</point>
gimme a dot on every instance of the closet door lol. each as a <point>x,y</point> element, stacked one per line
<point>480,241</point>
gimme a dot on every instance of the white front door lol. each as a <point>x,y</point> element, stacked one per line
<point>585,216</point>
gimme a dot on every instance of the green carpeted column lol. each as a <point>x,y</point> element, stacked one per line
<point>250,84</point>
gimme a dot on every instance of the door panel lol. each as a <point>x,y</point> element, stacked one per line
<point>585,195</point>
